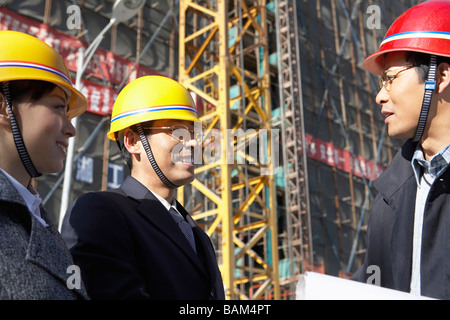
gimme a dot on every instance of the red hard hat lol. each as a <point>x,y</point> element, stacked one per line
<point>423,28</point>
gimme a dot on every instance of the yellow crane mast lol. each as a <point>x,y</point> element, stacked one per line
<point>224,61</point>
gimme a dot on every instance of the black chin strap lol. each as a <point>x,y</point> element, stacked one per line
<point>18,140</point>
<point>430,85</point>
<point>155,166</point>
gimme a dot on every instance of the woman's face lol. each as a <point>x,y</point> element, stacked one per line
<point>46,129</point>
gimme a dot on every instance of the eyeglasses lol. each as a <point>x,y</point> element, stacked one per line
<point>181,132</point>
<point>386,80</point>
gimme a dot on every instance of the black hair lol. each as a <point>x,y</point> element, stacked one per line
<point>125,154</point>
<point>32,89</point>
<point>422,62</point>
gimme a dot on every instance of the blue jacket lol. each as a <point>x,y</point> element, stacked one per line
<point>390,230</point>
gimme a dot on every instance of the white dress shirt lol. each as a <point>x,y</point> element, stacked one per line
<point>30,196</point>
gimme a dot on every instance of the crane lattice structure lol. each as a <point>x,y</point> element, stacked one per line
<point>224,60</point>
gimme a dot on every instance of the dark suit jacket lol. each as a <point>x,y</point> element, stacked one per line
<point>129,247</point>
<point>390,230</point>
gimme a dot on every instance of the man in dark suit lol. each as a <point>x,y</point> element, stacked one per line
<point>138,242</point>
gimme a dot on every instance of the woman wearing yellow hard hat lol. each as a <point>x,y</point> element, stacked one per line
<point>37,100</point>
<point>138,242</point>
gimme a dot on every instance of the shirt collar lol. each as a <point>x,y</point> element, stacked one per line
<point>29,195</point>
<point>166,203</point>
<point>436,165</point>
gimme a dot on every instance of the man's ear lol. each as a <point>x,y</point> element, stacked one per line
<point>132,142</point>
<point>442,77</point>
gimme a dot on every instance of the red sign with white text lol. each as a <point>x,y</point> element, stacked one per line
<point>100,98</point>
<point>327,153</point>
<point>111,67</point>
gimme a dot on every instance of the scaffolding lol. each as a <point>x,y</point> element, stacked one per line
<point>296,238</point>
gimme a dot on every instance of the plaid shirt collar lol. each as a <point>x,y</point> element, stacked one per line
<point>435,167</point>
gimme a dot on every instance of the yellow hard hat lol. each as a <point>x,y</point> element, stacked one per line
<point>151,98</point>
<point>24,57</point>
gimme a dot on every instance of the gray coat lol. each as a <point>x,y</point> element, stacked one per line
<point>34,259</point>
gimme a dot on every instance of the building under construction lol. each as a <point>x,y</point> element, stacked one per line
<point>293,137</point>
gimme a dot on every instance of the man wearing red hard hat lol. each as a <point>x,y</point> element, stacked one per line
<point>409,223</point>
